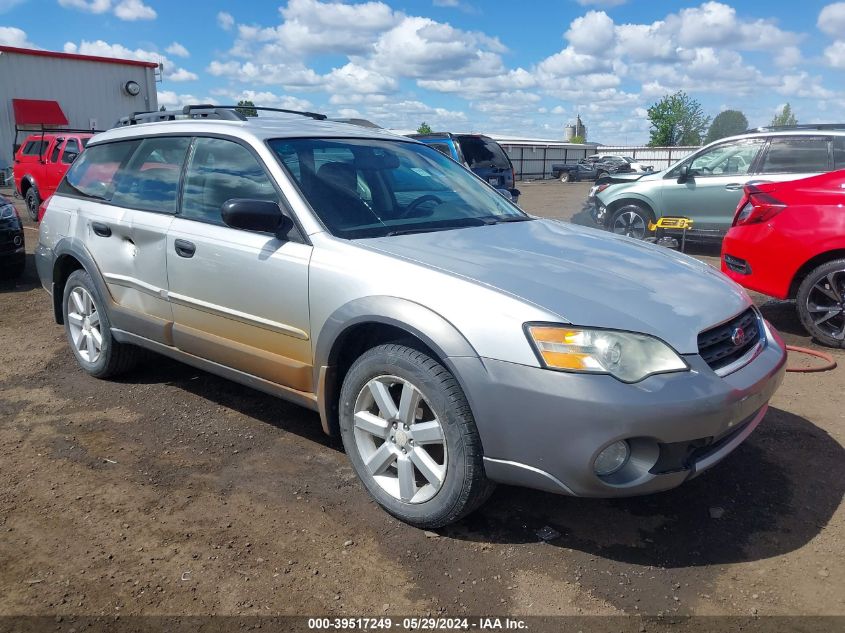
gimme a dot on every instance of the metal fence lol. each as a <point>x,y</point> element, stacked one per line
<point>534,161</point>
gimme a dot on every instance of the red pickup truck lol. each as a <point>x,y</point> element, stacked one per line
<point>41,162</point>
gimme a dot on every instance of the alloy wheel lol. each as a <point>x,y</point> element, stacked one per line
<point>84,324</point>
<point>630,223</point>
<point>826,304</point>
<point>400,439</point>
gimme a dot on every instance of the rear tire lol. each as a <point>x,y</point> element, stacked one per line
<point>88,330</point>
<point>422,462</point>
<point>601,174</point>
<point>33,202</point>
<point>632,220</point>
<point>821,303</point>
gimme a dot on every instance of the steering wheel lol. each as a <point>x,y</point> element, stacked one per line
<point>419,201</point>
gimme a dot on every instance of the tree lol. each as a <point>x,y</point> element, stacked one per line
<point>577,139</point>
<point>677,120</point>
<point>424,128</point>
<point>785,117</point>
<point>248,108</point>
<point>726,123</point>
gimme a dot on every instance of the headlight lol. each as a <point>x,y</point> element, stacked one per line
<point>627,356</point>
<point>7,211</point>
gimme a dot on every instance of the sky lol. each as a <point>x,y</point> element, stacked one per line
<point>493,66</point>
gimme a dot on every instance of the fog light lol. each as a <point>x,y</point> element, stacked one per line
<point>612,458</point>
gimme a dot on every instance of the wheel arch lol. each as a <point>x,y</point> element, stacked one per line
<point>28,182</point>
<point>364,323</point>
<point>811,264</point>
<point>71,255</point>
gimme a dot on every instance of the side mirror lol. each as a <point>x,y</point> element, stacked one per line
<point>684,174</point>
<point>256,215</point>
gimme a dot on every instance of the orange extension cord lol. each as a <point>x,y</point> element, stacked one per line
<point>831,364</point>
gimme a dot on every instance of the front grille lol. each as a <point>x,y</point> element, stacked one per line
<point>737,265</point>
<point>718,346</point>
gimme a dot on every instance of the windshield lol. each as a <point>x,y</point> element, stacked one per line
<point>375,188</point>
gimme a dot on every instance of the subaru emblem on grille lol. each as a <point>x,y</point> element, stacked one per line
<point>738,336</point>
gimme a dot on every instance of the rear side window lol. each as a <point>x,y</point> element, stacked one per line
<point>220,170</point>
<point>94,173</point>
<point>800,155</point>
<point>54,157</point>
<point>483,152</point>
<point>839,152</point>
<point>150,182</point>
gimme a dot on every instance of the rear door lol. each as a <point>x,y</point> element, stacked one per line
<point>710,194</point>
<point>29,161</point>
<point>240,298</point>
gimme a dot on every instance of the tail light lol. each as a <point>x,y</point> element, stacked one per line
<point>43,208</point>
<point>600,188</point>
<point>756,207</point>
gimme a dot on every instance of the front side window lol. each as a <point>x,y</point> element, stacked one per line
<point>220,170</point>
<point>71,151</point>
<point>729,159</point>
<point>373,188</point>
<point>93,175</point>
<point>150,182</point>
<point>799,155</point>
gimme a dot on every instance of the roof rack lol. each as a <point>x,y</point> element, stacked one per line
<point>802,126</point>
<point>207,111</point>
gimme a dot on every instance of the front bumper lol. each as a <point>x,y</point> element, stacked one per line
<point>597,210</point>
<point>544,429</point>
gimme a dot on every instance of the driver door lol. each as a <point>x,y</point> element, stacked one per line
<point>713,188</point>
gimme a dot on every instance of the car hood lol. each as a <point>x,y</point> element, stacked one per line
<point>586,277</point>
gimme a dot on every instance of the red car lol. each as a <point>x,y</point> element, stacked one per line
<point>41,162</point>
<point>788,241</point>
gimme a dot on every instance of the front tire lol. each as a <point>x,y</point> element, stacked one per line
<point>89,331</point>
<point>821,303</point>
<point>632,220</point>
<point>566,177</point>
<point>410,435</point>
<point>33,202</point>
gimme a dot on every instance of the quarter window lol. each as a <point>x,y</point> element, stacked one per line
<point>220,170</point>
<point>804,155</point>
<point>93,175</point>
<point>150,182</point>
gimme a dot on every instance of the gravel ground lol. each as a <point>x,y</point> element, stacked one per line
<point>172,491</point>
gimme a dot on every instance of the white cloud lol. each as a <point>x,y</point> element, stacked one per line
<point>131,10</point>
<point>13,36</point>
<point>8,5</point>
<point>180,74</point>
<point>789,57</point>
<point>91,6</point>
<point>127,10</point>
<point>225,20</point>
<point>832,19</point>
<point>601,3</point>
<point>592,33</point>
<point>178,50</point>
<point>170,100</point>
<point>265,98</point>
<point>835,54</point>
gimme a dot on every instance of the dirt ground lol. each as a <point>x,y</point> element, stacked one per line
<point>172,491</point>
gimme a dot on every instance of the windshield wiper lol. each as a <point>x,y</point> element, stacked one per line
<point>510,218</point>
<point>448,227</point>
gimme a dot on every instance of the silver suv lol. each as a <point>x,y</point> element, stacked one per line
<point>448,338</point>
<point>708,185</point>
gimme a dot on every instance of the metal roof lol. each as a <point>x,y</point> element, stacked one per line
<point>76,56</point>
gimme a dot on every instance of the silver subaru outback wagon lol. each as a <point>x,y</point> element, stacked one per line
<point>450,340</point>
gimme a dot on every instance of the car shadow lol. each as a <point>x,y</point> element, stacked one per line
<point>157,369</point>
<point>26,282</point>
<point>763,500</point>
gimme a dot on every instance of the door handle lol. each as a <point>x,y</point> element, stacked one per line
<point>184,248</point>
<point>733,186</point>
<point>103,230</point>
